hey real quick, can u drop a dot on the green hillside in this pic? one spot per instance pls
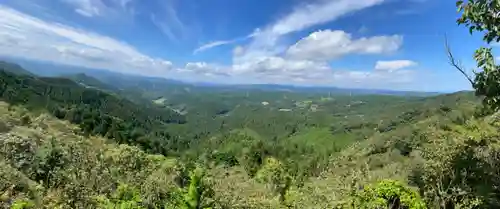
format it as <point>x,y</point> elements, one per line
<point>234,150</point>
<point>96,112</point>
<point>14,68</point>
<point>46,162</point>
<point>89,81</point>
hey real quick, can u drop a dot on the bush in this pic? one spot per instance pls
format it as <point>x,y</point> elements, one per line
<point>125,197</point>
<point>4,127</point>
<point>25,120</point>
<point>387,194</point>
<point>22,204</point>
<point>274,173</point>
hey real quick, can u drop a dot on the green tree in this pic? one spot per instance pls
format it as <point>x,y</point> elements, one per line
<point>482,16</point>
<point>387,194</point>
<point>48,161</point>
<point>125,197</point>
<point>274,173</point>
<point>197,195</point>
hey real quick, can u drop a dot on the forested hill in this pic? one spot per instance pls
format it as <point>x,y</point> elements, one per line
<point>45,163</point>
<point>96,112</point>
<point>89,81</point>
<point>14,68</point>
<point>232,149</point>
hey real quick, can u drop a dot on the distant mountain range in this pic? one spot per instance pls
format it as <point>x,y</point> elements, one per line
<point>121,80</point>
<point>14,68</point>
<point>325,89</point>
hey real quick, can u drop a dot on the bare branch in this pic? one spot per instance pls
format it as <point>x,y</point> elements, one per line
<point>455,63</point>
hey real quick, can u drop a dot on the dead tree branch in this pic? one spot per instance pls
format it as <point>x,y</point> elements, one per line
<point>456,63</point>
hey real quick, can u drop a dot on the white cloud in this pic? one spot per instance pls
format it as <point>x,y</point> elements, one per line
<point>212,45</point>
<point>394,65</point>
<point>305,16</point>
<point>29,37</point>
<point>164,17</point>
<point>328,45</point>
<point>95,8</point>
<point>307,72</point>
<point>279,70</point>
<point>279,65</point>
<point>224,42</point>
<point>238,50</point>
<point>262,61</point>
<point>205,69</point>
<point>87,8</point>
<point>168,21</point>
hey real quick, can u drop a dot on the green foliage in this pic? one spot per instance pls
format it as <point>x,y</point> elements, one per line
<point>387,194</point>
<point>48,160</point>
<point>197,192</point>
<point>125,197</point>
<point>253,157</point>
<point>22,204</point>
<point>258,172</point>
<point>274,173</point>
<point>482,16</point>
<point>253,154</point>
<point>95,111</point>
<point>4,127</point>
<point>25,120</point>
<point>197,195</point>
<point>56,168</point>
<point>460,166</point>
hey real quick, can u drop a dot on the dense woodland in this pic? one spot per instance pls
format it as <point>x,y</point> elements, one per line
<point>77,141</point>
<point>252,156</point>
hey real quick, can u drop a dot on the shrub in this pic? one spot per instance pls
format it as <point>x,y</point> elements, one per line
<point>387,194</point>
<point>4,127</point>
<point>125,197</point>
<point>22,204</point>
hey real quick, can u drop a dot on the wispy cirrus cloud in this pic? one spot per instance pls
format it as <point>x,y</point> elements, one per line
<point>308,15</point>
<point>224,42</point>
<point>25,36</point>
<point>100,8</point>
<point>168,21</point>
<point>164,15</point>
<point>305,16</point>
<point>87,8</point>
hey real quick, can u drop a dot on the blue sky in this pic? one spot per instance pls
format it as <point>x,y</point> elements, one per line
<point>383,44</point>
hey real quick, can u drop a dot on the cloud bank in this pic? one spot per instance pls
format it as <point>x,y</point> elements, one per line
<point>263,59</point>
<point>28,37</point>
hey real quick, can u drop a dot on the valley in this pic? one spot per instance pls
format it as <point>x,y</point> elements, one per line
<point>247,148</point>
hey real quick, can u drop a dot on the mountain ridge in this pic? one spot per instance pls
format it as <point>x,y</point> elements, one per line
<point>107,76</point>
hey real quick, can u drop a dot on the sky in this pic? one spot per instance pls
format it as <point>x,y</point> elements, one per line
<point>374,44</point>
